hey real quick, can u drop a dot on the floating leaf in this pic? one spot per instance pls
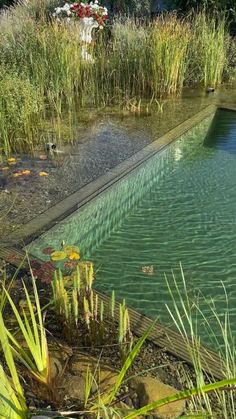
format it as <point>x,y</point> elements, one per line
<point>68,249</point>
<point>17,174</point>
<point>43,157</point>
<point>43,174</point>
<point>70,264</point>
<point>5,168</point>
<point>11,160</point>
<point>46,277</point>
<point>74,256</point>
<point>36,272</point>
<point>26,172</point>
<point>58,255</point>
<point>48,266</point>
<point>34,263</point>
<point>48,250</point>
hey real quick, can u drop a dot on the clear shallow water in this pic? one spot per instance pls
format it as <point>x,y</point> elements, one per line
<point>179,206</point>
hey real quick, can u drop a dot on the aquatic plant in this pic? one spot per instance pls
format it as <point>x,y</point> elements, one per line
<point>125,337</point>
<point>34,356</point>
<point>20,107</point>
<point>208,49</point>
<point>12,400</point>
<point>170,41</point>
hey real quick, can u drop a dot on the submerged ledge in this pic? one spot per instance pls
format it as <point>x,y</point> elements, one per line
<point>77,200</point>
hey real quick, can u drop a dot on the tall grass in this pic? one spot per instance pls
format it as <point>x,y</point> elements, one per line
<point>170,40</point>
<point>208,52</point>
<point>189,319</point>
<point>133,62</point>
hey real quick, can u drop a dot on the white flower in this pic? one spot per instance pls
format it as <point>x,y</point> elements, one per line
<point>58,10</point>
<point>66,7</point>
<point>94,5</point>
<point>68,13</point>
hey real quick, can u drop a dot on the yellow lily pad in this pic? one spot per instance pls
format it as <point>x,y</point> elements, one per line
<point>11,160</point>
<point>74,256</point>
<point>17,174</point>
<point>58,255</point>
<point>68,249</point>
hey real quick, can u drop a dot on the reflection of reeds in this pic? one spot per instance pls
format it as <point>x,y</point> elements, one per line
<point>43,78</point>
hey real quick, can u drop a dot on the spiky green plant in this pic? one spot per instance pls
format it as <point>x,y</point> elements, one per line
<point>34,355</point>
<point>12,400</point>
<point>189,319</point>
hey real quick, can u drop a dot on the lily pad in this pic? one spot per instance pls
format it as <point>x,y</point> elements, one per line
<point>74,256</point>
<point>68,249</point>
<point>48,250</point>
<point>58,255</point>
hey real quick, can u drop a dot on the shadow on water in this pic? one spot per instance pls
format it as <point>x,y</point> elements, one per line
<point>222,132</point>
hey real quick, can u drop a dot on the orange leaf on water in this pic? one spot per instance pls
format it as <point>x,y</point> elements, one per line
<point>26,172</point>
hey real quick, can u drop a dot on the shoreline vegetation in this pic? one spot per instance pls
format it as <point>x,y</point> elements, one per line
<point>43,80</point>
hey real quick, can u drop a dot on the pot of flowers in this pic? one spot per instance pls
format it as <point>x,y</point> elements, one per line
<point>87,17</point>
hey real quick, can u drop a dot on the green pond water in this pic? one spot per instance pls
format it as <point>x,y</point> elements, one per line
<point>177,207</point>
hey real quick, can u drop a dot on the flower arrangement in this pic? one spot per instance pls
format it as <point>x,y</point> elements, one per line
<point>79,10</point>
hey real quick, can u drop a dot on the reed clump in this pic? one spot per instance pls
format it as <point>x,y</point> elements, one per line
<point>133,62</point>
<point>76,305</point>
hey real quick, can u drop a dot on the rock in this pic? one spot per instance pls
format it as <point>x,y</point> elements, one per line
<point>74,388</point>
<point>150,389</point>
<point>73,384</point>
<point>59,357</point>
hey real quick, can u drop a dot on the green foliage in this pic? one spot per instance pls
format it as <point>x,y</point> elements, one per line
<point>20,106</point>
<point>35,356</point>
<point>12,401</point>
<point>207,55</point>
<point>76,305</point>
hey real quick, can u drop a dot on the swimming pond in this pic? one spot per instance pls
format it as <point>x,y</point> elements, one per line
<point>179,206</point>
